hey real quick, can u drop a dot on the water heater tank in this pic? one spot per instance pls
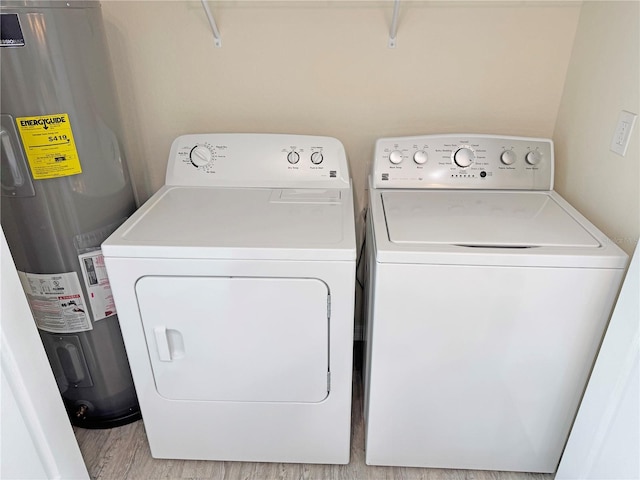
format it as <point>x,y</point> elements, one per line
<point>65,188</point>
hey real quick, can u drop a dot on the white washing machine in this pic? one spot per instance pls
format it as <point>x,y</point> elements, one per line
<point>488,296</point>
<point>234,286</point>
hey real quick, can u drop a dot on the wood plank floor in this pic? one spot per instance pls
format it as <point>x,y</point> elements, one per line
<point>123,453</point>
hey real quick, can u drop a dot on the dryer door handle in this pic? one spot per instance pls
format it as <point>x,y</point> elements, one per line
<point>169,343</point>
<point>162,344</point>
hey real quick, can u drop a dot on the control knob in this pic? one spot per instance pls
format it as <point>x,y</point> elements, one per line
<point>508,157</point>
<point>293,157</point>
<point>200,155</point>
<point>533,157</point>
<point>420,157</point>
<point>316,158</point>
<point>464,157</point>
<point>395,157</point>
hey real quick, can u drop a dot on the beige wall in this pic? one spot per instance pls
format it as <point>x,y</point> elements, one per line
<point>601,81</point>
<point>324,68</point>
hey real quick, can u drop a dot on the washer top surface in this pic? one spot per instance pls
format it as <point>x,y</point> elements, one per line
<point>481,219</point>
<point>466,199</point>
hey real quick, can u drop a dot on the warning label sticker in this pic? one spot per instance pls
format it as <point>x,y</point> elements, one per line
<point>56,301</point>
<point>49,145</point>
<point>97,285</point>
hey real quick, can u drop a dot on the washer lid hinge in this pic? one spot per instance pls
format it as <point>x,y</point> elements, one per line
<point>328,305</point>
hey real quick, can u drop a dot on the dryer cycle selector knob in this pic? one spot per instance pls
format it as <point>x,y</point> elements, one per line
<point>293,157</point>
<point>533,157</point>
<point>464,157</point>
<point>316,158</point>
<point>395,157</point>
<point>200,156</point>
<point>420,157</point>
<point>508,157</point>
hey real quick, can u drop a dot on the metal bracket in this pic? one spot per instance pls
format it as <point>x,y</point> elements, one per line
<point>394,24</point>
<point>212,22</point>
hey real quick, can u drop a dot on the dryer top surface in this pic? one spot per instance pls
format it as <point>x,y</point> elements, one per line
<point>242,223</point>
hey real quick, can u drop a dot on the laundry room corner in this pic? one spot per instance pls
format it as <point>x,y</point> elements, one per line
<point>602,81</point>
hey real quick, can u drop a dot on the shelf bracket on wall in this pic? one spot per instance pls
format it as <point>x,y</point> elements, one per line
<point>216,33</point>
<point>394,24</point>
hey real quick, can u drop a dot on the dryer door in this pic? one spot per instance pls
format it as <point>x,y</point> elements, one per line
<point>237,338</point>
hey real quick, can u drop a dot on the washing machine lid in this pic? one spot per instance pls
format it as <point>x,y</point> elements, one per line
<point>239,223</point>
<point>481,219</point>
<point>473,227</point>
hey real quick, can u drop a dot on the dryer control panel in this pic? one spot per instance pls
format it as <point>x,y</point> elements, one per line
<point>257,160</point>
<point>464,161</point>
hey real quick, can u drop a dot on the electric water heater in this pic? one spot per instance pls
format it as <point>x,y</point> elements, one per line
<point>65,189</point>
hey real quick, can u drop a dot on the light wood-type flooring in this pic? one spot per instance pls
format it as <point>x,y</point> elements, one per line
<point>123,453</point>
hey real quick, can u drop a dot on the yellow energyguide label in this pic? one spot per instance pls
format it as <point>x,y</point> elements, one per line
<point>49,145</point>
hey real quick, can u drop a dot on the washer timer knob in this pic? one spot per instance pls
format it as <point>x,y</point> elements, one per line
<point>420,157</point>
<point>395,157</point>
<point>533,157</point>
<point>464,157</point>
<point>508,157</point>
<point>200,155</point>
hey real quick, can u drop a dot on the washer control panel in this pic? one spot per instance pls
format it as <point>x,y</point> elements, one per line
<point>267,160</point>
<point>464,161</point>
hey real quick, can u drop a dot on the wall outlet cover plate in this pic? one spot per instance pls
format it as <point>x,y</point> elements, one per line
<point>621,136</point>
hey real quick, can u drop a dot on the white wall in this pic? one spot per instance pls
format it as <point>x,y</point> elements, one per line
<point>324,68</point>
<point>602,80</point>
<point>605,440</point>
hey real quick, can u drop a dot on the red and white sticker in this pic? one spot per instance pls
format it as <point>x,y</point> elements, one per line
<point>56,301</point>
<point>97,284</point>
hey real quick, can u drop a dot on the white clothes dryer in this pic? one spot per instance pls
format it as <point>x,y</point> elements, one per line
<point>488,296</point>
<point>234,284</point>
